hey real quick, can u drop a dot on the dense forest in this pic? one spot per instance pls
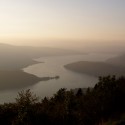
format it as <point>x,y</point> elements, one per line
<point>104,104</point>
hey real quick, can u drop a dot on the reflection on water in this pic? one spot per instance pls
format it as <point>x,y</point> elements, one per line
<point>53,66</point>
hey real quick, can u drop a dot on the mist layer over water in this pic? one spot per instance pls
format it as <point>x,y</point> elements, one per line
<point>54,66</point>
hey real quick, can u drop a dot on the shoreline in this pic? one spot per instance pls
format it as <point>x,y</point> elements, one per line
<point>15,79</point>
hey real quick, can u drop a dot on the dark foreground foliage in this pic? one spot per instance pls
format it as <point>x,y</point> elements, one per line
<point>105,102</point>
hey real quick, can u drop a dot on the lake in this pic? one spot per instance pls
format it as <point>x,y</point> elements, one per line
<point>53,66</point>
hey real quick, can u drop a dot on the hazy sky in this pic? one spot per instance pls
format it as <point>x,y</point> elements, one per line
<point>50,22</point>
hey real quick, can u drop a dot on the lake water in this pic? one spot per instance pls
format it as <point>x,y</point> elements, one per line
<point>54,66</point>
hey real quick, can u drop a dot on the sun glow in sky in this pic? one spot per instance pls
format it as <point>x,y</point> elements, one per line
<point>53,21</point>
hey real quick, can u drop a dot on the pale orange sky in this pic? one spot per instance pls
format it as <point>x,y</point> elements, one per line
<point>57,22</point>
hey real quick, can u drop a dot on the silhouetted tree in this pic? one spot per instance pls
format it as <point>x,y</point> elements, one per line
<point>25,101</point>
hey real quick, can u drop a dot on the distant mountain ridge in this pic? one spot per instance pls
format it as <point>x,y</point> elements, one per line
<point>16,57</point>
<point>118,61</point>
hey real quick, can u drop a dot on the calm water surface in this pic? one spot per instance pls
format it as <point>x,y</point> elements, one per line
<point>54,66</point>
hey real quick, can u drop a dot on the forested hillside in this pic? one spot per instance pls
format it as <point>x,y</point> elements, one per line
<point>112,66</point>
<point>102,105</point>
